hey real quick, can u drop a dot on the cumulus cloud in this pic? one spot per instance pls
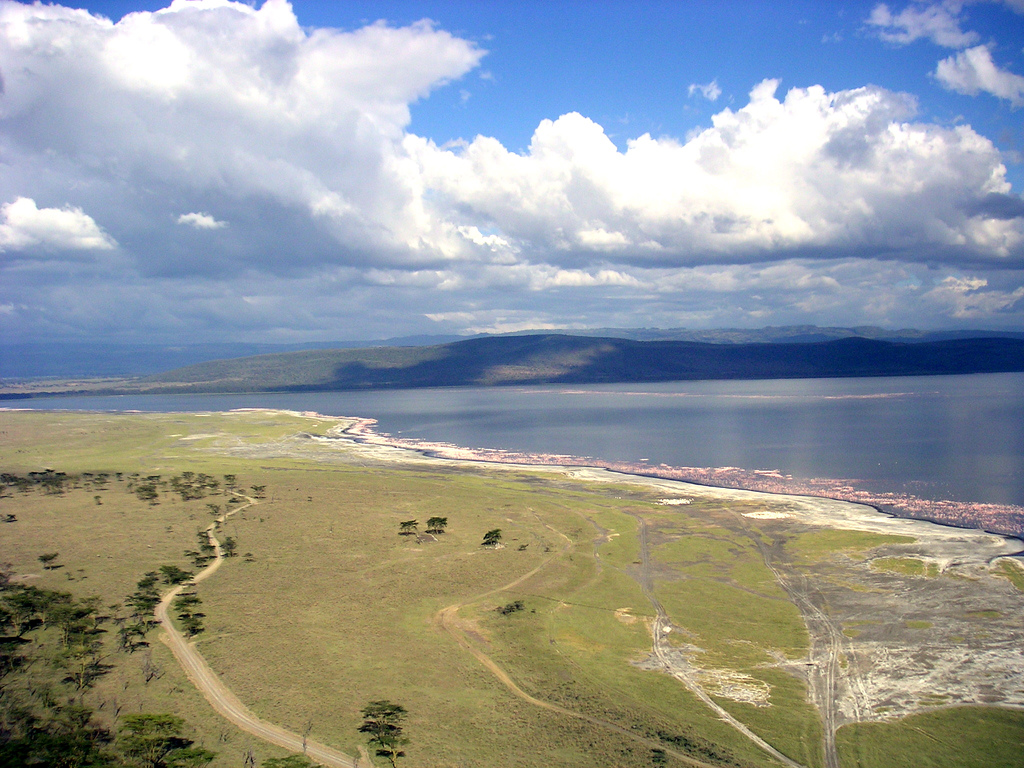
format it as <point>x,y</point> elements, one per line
<point>973,71</point>
<point>967,298</point>
<point>341,218</point>
<point>201,221</point>
<point>938,22</point>
<point>24,225</point>
<point>294,132</point>
<point>709,91</point>
<point>830,173</point>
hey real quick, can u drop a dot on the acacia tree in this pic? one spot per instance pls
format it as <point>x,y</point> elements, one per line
<point>172,574</point>
<point>437,524</point>
<point>47,560</point>
<point>408,527</point>
<point>382,720</point>
<point>492,537</point>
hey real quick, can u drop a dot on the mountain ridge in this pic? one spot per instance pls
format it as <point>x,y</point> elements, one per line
<point>566,359</point>
<point>45,359</point>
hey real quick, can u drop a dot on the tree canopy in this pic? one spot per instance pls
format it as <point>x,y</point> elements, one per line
<point>382,720</point>
<point>492,538</point>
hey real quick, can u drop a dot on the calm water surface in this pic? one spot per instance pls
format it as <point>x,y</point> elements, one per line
<point>944,437</point>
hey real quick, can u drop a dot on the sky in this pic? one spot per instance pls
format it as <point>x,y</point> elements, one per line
<point>315,171</point>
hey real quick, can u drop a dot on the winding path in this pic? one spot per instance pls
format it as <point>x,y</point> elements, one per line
<point>446,618</point>
<point>219,695</point>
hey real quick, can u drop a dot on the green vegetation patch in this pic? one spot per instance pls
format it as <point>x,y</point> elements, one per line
<point>1011,570</point>
<point>819,545</point>
<point>961,737</point>
<point>988,613</point>
<point>915,624</point>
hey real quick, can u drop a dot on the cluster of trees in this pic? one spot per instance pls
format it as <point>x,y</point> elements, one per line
<point>51,654</point>
<point>54,647</point>
<point>172,574</point>
<point>191,486</point>
<point>146,490</point>
<point>191,620</point>
<point>156,741</point>
<point>292,761</point>
<point>492,538</point>
<point>48,480</point>
<point>435,525</point>
<point>51,481</point>
<point>205,553</point>
<point>133,628</point>
<point>513,607</point>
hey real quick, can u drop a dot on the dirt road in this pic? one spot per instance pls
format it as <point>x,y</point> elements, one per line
<point>675,665</point>
<point>219,695</point>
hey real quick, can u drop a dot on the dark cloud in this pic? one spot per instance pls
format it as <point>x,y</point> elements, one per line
<point>997,206</point>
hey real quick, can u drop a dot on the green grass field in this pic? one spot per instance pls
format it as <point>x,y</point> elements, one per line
<point>328,607</point>
<point>964,737</point>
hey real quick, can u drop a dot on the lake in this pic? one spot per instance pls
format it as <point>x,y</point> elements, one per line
<point>957,438</point>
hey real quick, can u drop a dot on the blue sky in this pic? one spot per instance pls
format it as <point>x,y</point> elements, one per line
<point>325,170</point>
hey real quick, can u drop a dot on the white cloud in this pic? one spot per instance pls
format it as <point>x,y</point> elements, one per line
<point>709,91</point>
<point>830,173</point>
<point>939,22</point>
<point>295,133</point>
<point>343,222</point>
<point>966,298</point>
<point>24,226</point>
<point>201,221</point>
<point>973,71</point>
<point>495,321</point>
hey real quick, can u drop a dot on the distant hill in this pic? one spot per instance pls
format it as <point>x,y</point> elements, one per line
<point>563,359</point>
<point>30,360</point>
<point>26,360</point>
<point>788,334</point>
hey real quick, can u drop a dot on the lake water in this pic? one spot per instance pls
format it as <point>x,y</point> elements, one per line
<point>947,437</point>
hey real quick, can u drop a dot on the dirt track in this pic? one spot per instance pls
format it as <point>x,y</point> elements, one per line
<point>219,695</point>
<point>674,663</point>
<point>447,620</point>
<point>884,644</point>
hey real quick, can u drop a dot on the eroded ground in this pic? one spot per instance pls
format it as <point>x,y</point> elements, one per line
<point>903,616</point>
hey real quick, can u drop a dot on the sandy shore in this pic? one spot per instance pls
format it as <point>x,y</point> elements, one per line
<point>1005,520</point>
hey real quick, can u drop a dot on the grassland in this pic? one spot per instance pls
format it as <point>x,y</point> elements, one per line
<point>330,608</point>
<point>966,737</point>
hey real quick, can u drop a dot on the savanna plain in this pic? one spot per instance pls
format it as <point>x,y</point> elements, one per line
<point>557,617</point>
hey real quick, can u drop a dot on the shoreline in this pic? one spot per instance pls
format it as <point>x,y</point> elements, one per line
<point>1005,520</point>
<point>1008,520</point>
